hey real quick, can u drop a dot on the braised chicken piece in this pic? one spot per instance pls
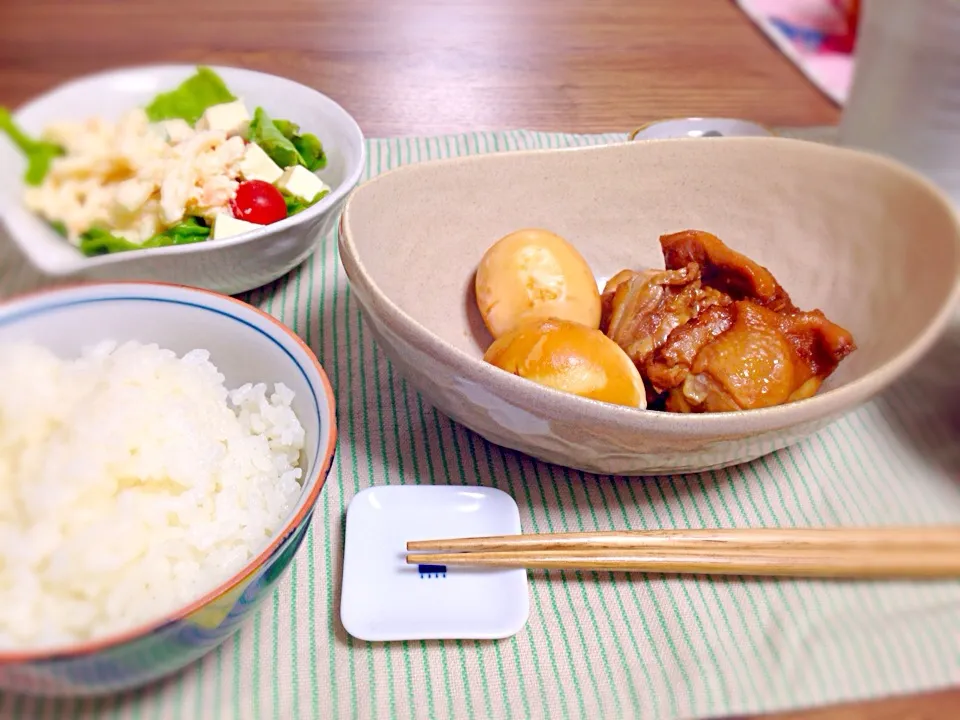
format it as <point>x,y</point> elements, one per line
<point>672,362</point>
<point>642,310</point>
<point>724,269</point>
<point>648,306</point>
<point>715,332</point>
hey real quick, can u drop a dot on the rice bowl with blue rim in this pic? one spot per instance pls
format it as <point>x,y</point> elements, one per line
<point>180,319</point>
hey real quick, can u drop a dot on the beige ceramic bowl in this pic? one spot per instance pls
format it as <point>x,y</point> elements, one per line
<point>869,242</point>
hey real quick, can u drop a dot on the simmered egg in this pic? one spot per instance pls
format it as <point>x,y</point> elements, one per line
<point>571,357</point>
<point>534,274</point>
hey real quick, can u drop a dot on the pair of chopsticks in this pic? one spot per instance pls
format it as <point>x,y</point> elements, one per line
<point>892,552</point>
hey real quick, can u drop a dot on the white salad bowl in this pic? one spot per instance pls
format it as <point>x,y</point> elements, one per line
<point>230,265</point>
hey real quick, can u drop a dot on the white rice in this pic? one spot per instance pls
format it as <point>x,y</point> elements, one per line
<point>131,482</point>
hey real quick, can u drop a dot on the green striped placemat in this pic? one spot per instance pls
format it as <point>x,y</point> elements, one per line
<point>597,645</point>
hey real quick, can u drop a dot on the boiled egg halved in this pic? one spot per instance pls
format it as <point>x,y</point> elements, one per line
<point>570,357</point>
<point>534,274</point>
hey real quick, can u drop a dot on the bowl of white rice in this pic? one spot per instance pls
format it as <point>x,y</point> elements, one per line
<point>161,452</point>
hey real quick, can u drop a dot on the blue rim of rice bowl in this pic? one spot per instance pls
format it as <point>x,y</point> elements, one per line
<point>88,647</point>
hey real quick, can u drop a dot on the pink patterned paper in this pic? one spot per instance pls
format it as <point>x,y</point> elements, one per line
<point>814,35</point>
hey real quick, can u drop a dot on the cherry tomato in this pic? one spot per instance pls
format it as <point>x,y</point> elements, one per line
<point>258,202</point>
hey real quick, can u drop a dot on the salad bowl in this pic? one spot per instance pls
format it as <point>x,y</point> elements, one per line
<point>231,264</point>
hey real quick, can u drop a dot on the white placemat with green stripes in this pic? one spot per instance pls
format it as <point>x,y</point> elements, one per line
<point>597,645</point>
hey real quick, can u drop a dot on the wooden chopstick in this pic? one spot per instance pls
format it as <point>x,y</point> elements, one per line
<point>939,564</point>
<point>920,552</point>
<point>888,537</point>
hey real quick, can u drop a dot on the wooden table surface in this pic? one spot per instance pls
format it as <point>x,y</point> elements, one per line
<point>432,66</point>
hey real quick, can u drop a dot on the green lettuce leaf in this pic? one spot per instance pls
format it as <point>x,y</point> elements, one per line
<point>189,99</point>
<point>191,230</point>
<point>39,153</point>
<point>311,151</point>
<point>98,241</point>
<point>308,145</point>
<point>282,141</point>
<point>265,133</point>
<point>296,204</point>
<point>289,129</point>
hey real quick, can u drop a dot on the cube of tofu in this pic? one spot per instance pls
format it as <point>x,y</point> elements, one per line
<point>176,130</point>
<point>227,226</point>
<point>257,165</point>
<point>231,118</point>
<point>299,181</point>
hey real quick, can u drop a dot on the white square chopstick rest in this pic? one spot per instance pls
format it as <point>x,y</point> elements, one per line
<point>385,599</point>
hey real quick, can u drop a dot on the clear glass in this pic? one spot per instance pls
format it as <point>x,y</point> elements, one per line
<point>905,98</point>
